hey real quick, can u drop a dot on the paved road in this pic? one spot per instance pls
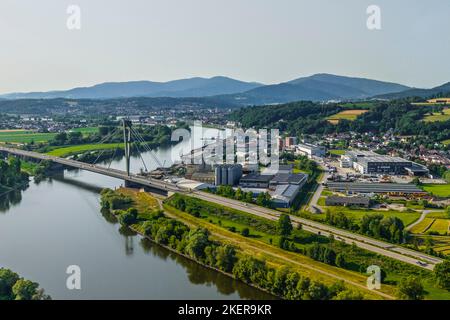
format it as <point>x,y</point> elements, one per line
<point>313,206</point>
<point>377,246</point>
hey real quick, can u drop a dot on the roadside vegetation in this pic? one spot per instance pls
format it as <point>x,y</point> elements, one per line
<point>13,287</point>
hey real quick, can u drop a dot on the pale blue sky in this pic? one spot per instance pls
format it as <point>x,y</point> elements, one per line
<point>255,40</point>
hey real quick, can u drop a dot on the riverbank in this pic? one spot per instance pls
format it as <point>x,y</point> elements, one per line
<point>143,201</point>
<point>331,289</point>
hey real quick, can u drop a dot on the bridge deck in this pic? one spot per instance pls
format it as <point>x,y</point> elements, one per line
<point>96,169</point>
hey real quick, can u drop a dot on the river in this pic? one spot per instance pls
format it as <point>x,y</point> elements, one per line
<point>58,222</point>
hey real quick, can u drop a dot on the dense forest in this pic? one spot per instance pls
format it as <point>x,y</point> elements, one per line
<point>298,118</point>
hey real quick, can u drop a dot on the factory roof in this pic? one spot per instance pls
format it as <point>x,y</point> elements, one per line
<point>380,158</point>
<point>374,187</point>
<point>285,193</point>
<point>294,178</point>
<point>256,177</point>
<point>347,200</point>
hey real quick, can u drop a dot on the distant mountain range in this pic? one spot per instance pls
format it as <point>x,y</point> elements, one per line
<point>318,87</point>
<point>421,93</point>
<point>227,91</point>
<point>193,87</point>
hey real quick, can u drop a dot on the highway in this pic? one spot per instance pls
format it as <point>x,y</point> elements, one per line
<point>370,244</point>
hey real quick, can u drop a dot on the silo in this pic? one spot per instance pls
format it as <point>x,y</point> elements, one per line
<point>224,178</point>
<point>217,176</point>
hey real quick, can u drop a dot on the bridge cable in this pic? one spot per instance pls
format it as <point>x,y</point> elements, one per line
<point>146,146</point>
<point>103,141</point>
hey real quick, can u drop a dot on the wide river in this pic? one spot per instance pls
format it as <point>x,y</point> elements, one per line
<point>58,223</point>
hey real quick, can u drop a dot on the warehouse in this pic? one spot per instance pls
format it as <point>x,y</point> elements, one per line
<point>286,178</point>
<point>384,188</point>
<point>256,180</point>
<point>363,202</point>
<point>284,195</point>
<point>369,162</point>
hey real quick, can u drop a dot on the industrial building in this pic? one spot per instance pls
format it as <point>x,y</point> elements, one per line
<point>401,189</point>
<point>256,180</point>
<point>227,174</point>
<point>310,150</point>
<point>298,179</point>
<point>369,162</point>
<point>290,141</point>
<point>347,201</point>
<point>284,195</point>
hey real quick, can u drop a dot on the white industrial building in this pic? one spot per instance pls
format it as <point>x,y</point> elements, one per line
<point>310,150</point>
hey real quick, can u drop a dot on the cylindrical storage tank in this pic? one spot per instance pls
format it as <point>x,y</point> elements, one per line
<point>218,176</point>
<point>231,175</point>
<point>224,178</point>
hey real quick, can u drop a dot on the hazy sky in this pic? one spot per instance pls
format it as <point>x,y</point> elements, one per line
<point>268,41</point>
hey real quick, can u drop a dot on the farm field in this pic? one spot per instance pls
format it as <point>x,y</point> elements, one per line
<point>67,151</point>
<point>442,245</point>
<point>432,225</point>
<point>446,142</point>
<point>350,115</point>
<point>440,190</point>
<point>438,116</point>
<point>23,136</point>
<point>85,131</point>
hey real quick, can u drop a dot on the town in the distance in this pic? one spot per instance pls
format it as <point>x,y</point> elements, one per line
<point>357,208</point>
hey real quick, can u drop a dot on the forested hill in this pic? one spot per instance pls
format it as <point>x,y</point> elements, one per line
<point>311,118</point>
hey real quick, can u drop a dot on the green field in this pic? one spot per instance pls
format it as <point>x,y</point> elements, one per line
<point>432,225</point>
<point>357,214</point>
<point>350,115</point>
<point>27,136</point>
<point>85,131</point>
<point>438,116</point>
<point>67,151</point>
<point>439,190</point>
<point>446,142</point>
<point>337,152</point>
<point>23,136</point>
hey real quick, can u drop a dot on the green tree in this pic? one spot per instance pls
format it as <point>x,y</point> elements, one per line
<point>225,257</point>
<point>245,232</point>
<point>284,225</point>
<point>197,242</point>
<point>442,274</point>
<point>24,289</point>
<point>410,288</point>
<point>7,281</point>
<point>340,261</point>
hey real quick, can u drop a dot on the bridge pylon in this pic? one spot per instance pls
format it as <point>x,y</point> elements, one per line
<point>127,143</point>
